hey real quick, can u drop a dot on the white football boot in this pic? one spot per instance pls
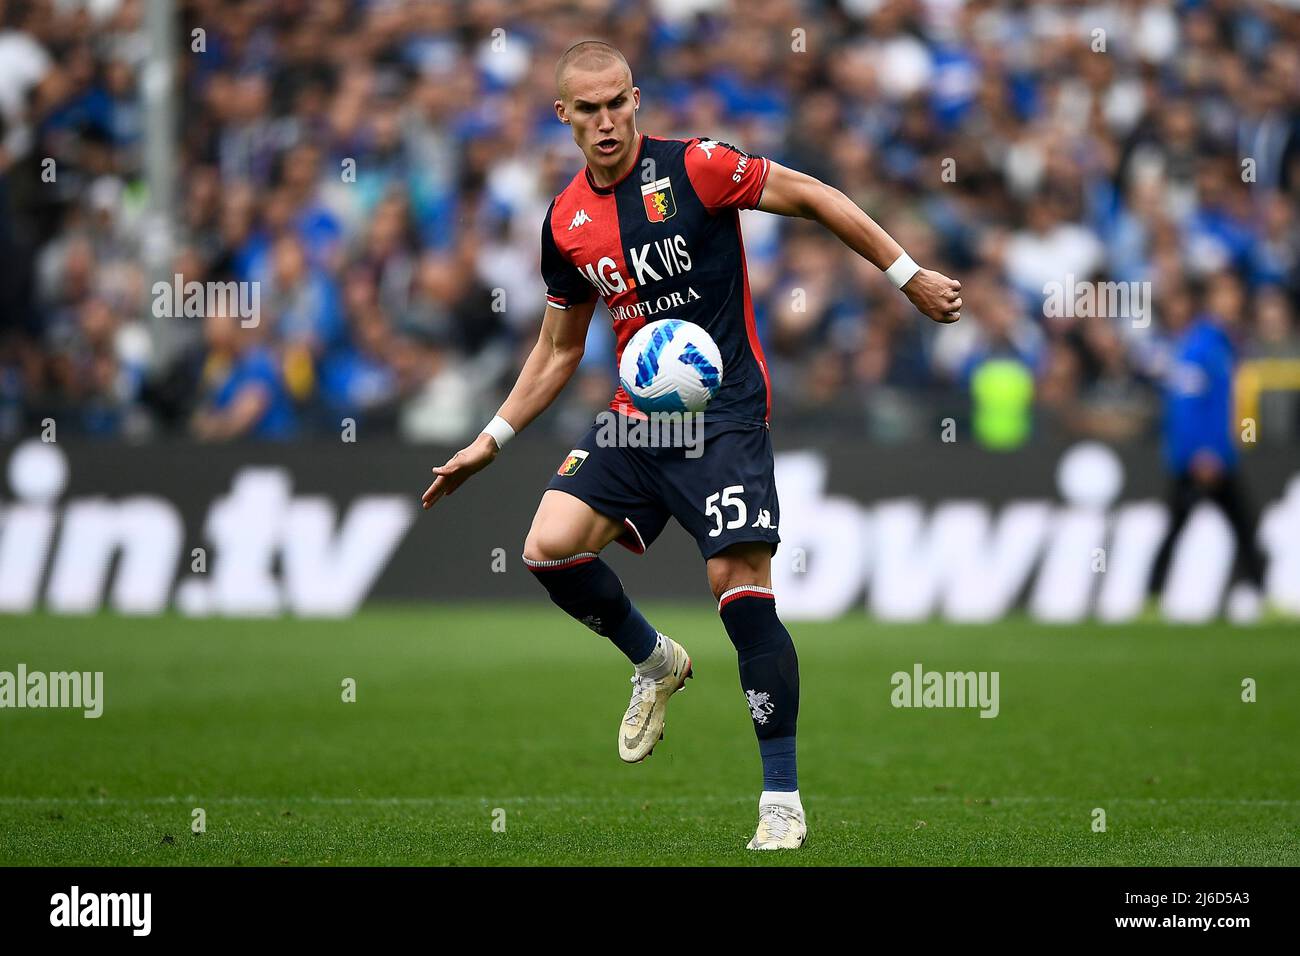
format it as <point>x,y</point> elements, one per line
<point>781,822</point>
<point>643,724</point>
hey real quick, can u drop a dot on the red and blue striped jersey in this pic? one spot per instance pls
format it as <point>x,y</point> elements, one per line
<point>664,242</point>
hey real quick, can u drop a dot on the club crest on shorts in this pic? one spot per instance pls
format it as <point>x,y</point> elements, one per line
<point>659,202</point>
<point>572,463</point>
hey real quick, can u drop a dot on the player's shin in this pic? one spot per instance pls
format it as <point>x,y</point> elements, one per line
<point>588,590</point>
<point>769,676</point>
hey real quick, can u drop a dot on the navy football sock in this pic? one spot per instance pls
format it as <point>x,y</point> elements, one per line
<point>588,590</point>
<point>769,676</point>
<point>779,773</point>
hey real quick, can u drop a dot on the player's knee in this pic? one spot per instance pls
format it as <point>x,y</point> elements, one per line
<point>545,543</point>
<point>537,547</point>
<point>747,565</point>
<point>726,582</point>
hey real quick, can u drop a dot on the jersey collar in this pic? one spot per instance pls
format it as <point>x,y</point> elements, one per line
<point>607,190</point>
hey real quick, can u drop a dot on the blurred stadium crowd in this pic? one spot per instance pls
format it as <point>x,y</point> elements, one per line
<point>995,140</point>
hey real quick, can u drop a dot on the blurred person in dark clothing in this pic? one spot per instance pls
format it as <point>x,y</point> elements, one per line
<point>1199,431</point>
<point>452,307</point>
<point>97,366</point>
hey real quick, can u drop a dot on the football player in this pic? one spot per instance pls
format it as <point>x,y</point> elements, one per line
<point>651,226</point>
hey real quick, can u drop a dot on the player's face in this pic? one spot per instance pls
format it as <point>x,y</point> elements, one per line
<point>600,106</point>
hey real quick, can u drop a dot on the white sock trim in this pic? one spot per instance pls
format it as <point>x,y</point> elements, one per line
<point>558,561</point>
<point>732,592</point>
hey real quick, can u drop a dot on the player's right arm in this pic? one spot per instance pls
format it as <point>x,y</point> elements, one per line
<point>788,192</point>
<point>725,177</point>
<point>548,369</point>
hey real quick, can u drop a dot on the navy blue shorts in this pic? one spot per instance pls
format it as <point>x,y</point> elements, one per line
<point>723,496</point>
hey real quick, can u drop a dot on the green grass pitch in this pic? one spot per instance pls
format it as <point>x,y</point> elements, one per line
<point>467,710</point>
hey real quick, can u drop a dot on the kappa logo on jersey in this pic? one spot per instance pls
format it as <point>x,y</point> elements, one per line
<point>658,198</point>
<point>742,157</point>
<point>709,145</point>
<point>572,463</point>
<point>581,219</point>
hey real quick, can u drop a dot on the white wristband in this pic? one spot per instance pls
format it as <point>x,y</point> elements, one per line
<point>500,431</point>
<point>902,270</point>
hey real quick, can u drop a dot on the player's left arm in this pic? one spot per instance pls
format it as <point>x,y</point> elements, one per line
<point>789,192</point>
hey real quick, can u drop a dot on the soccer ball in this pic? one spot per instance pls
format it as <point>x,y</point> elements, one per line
<point>671,366</point>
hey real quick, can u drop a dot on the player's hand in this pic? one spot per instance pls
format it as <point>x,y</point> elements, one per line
<point>470,460</point>
<point>935,295</point>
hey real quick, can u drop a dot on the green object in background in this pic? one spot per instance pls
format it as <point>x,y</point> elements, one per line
<point>1002,391</point>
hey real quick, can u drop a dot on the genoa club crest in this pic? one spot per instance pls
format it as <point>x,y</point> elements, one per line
<point>572,463</point>
<point>658,199</point>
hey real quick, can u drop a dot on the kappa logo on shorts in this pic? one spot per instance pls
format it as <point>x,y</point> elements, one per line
<point>572,463</point>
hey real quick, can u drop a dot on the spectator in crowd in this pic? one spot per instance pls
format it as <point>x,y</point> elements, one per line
<point>381,171</point>
<point>244,392</point>
<point>1199,428</point>
<point>1277,340</point>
